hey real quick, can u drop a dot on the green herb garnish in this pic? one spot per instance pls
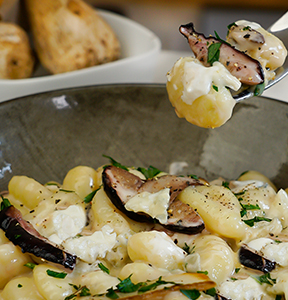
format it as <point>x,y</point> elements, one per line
<point>251,222</point>
<point>103,268</point>
<point>193,176</point>
<point>226,184</point>
<point>111,294</point>
<point>66,191</point>
<point>115,163</point>
<point>54,274</point>
<point>19,285</point>
<point>202,272</point>
<point>215,87</point>
<point>259,89</point>
<point>127,286</point>
<point>191,294</point>
<point>30,265</point>
<point>150,172</point>
<point>266,278</point>
<point>5,203</point>
<point>213,52</point>
<point>211,292</point>
<point>81,291</point>
<point>90,196</point>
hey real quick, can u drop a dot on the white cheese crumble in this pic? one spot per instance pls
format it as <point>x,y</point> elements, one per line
<point>247,289</point>
<point>63,224</point>
<point>153,204</point>
<point>89,248</point>
<point>198,79</point>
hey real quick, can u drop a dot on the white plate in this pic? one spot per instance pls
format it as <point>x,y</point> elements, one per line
<point>140,49</point>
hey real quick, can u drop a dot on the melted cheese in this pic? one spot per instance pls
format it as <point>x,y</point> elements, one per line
<point>89,248</point>
<point>63,224</point>
<point>153,204</point>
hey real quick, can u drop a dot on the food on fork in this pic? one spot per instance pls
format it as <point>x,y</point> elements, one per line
<point>199,86</point>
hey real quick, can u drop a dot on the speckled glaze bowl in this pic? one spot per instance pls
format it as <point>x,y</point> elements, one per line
<point>45,135</point>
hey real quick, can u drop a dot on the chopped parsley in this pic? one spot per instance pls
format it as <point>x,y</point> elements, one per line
<point>203,272</point>
<point>246,207</point>
<point>215,87</point>
<point>19,285</point>
<point>191,294</point>
<point>115,163</point>
<point>150,172</point>
<point>81,291</point>
<point>213,52</point>
<point>90,196</point>
<point>259,89</point>
<point>211,292</point>
<point>66,191</point>
<point>226,184</point>
<point>30,265</point>
<point>127,286</point>
<point>5,203</point>
<point>193,176</point>
<point>103,268</point>
<point>265,278</point>
<point>251,222</point>
<point>54,274</point>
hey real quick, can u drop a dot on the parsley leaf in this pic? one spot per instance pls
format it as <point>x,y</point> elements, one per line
<point>150,172</point>
<point>193,176</point>
<point>127,286</point>
<point>30,265</point>
<point>191,294</point>
<point>215,87</point>
<point>82,291</point>
<point>266,278</point>
<point>103,268</point>
<point>226,184</point>
<point>213,52</point>
<point>211,292</point>
<point>259,89</point>
<point>54,274</point>
<point>115,163</point>
<point>5,203</point>
<point>111,294</point>
<point>251,222</point>
<point>90,196</point>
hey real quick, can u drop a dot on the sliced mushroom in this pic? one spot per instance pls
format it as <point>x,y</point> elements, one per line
<point>243,34</point>
<point>120,186</point>
<point>250,258</point>
<point>22,234</point>
<point>248,70</point>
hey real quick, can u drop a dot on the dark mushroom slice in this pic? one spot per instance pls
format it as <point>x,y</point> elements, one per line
<point>120,186</point>
<point>250,258</point>
<point>247,69</point>
<point>241,34</point>
<point>21,233</point>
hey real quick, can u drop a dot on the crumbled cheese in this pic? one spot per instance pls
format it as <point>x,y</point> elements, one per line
<point>153,204</point>
<point>198,79</point>
<point>89,248</point>
<point>247,289</point>
<point>63,224</point>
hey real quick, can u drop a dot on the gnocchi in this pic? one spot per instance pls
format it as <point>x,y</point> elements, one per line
<point>113,250</point>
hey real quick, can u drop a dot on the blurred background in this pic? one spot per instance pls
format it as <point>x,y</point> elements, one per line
<point>164,17</point>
